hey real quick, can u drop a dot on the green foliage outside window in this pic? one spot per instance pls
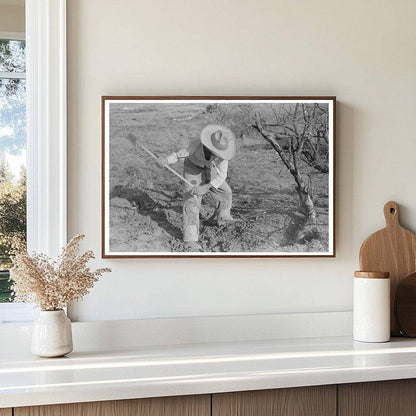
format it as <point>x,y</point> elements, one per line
<point>12,147</point>
<point>12,223</point>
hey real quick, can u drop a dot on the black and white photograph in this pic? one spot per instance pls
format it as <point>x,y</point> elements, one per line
<point>218,176</point>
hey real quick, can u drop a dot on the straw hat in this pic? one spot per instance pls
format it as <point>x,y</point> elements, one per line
<point>220,140</point>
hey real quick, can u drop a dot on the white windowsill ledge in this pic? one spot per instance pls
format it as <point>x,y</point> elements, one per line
<point>16,314</point>
<point>155,371</point>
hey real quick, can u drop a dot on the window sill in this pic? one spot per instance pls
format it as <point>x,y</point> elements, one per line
<point>16,313</point>
<point>157,371</point>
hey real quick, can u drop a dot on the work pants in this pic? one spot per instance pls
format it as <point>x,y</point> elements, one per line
<point>192,203</point>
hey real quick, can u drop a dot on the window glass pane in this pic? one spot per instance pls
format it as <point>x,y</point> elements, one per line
<point>12,118</point>
<point>12,166</point>
<point>12,56</point>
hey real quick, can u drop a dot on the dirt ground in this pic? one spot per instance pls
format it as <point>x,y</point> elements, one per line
<point>146,200</point>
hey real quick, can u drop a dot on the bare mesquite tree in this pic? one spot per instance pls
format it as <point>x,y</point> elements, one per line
<point>298,132</point>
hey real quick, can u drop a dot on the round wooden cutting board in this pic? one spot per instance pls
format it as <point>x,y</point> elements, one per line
<point>393,250</point>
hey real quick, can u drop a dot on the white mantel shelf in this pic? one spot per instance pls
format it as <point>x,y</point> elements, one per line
<point>152,371</point>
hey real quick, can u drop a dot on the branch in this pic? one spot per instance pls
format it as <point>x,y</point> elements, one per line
<point>304,113</point>
<point>281,126</point>
<point>324,110</point>
<point>274,112</point>
<point>294,154</point>
<point>294,119</point>
<point>301,144</point>
<point>319,166</point>
<point>272,139</point>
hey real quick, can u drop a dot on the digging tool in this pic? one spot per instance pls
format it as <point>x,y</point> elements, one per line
<point>134,139</point>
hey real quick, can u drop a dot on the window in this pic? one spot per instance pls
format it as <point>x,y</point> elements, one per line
<point>45,89</point>
<point>12,153</point>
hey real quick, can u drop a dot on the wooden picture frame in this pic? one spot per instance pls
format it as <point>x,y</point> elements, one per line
<point>281,179</point>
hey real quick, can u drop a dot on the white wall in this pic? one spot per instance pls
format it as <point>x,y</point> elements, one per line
<point>12,18</point>
<point>361,51</point>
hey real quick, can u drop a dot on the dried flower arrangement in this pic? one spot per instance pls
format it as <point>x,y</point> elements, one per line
<point>53,285</point>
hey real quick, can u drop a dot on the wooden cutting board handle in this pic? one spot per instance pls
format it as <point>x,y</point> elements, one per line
<point>391,214</point>
<point>393,250</point>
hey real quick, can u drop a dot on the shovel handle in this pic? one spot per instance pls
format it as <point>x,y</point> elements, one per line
<point>134,139</point>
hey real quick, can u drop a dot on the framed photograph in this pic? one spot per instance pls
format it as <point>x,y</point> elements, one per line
<point>218,176</point>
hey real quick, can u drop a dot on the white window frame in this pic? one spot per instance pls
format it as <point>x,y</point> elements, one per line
<point>46,127</point>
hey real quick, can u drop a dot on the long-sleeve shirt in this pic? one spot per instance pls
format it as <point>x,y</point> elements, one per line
<point>195,153</point>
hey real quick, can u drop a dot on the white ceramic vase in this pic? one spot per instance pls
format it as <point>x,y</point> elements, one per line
<point>52,334</point>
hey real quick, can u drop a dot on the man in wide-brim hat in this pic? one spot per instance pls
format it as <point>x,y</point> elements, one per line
<point>206,168</point>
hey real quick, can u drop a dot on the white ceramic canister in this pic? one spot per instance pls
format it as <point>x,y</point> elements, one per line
<point>371,305</point>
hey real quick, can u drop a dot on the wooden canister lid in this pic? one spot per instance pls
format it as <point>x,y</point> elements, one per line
<point>372,275</point>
